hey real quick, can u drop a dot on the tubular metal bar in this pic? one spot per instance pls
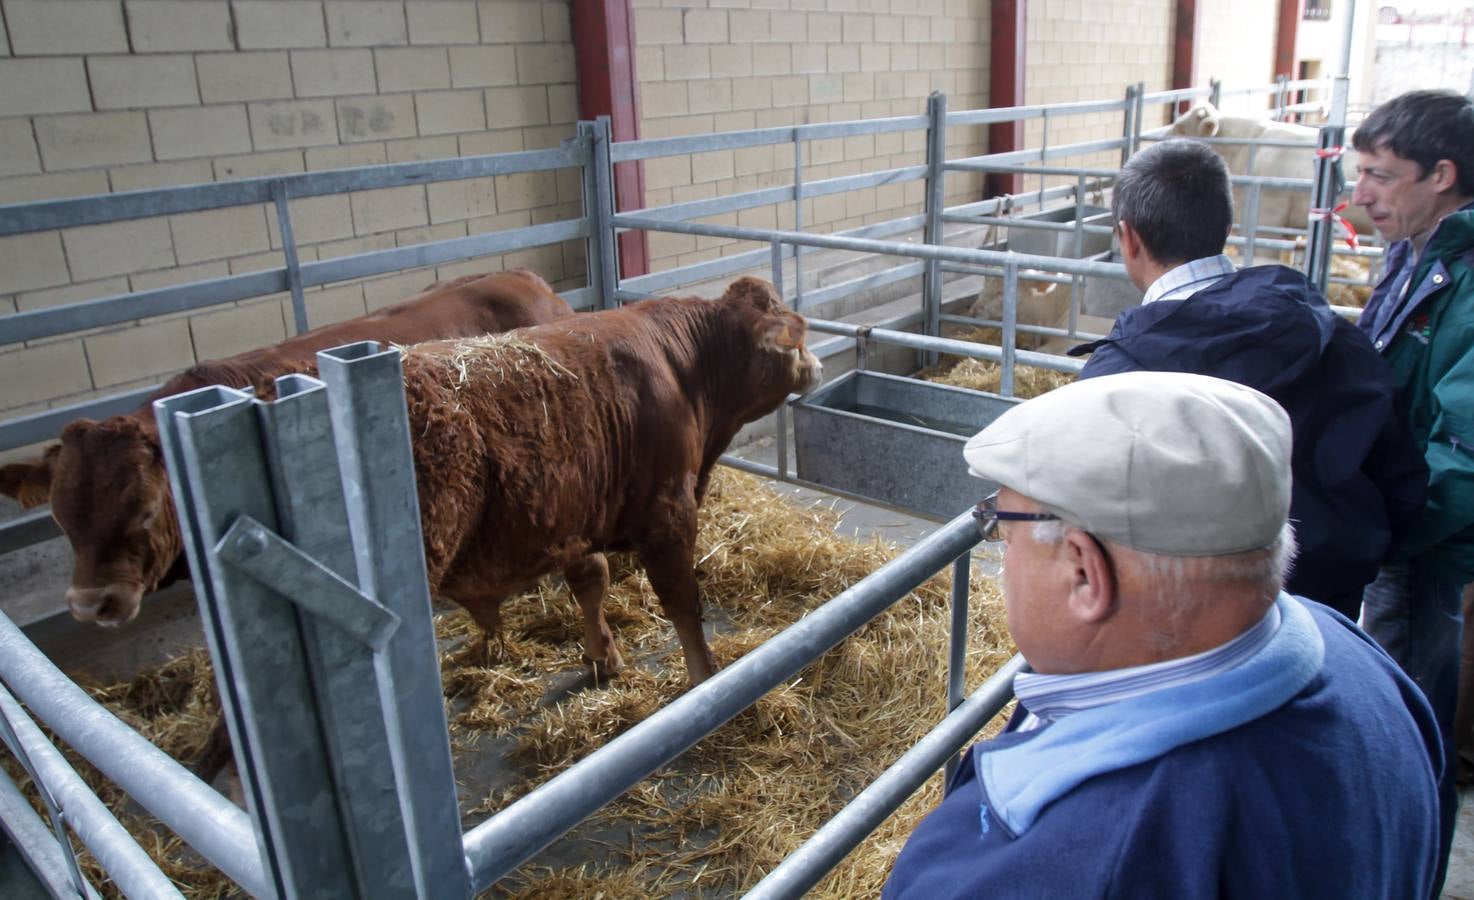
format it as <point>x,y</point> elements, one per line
<point>1177,96</point>
<point>875,279</point>
<point>1127,126</point>
<point>700,209</point>
<point>803,868</point>
<point>1263,181</point>
<point>289,249</point>
<point>44,788</point>
<point>43,426</point>
<point>19,218</point>
<point>1251,224</point>
<point>1026,156</point>
<point>891,248</point>
<point>135,874</point>
<point>40,323</point>
<point>362,265</point>
<point>998,204</point>
<point>626,151</point>
<point>1027,329</point>
<point>947,345</point>
<point>28,529</point>
<point>780,421</point>
<point>798,220</point>
<point>1021,113</point>
<point>957,640</point>
<point>936,160</point>
<point>659,281</point>
<point>26,326</point>
<point>35,842</point>
<point>1010,326</point>
<point>206,821</point>
<point>604,214</point>
<point>500,844</point>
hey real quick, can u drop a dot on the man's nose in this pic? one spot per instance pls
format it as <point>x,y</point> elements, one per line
<point>1360,195</point>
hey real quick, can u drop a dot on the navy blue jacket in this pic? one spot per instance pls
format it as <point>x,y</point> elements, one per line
<point>1359,476</point>
<point>1329,795</point>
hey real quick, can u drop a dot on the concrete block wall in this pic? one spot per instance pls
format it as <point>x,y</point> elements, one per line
<point>1091,50</point>
<point>1236,46</point>
<point>99,96</point>
<point>731,65</point>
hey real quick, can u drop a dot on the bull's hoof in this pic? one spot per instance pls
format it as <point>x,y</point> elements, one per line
<point>605,668</point>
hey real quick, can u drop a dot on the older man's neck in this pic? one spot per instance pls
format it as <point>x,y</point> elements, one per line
<point>1208,620</point>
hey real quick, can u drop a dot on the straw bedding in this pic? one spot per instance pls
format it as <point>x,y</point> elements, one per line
<point>984,375</point>
<point>729,810</point>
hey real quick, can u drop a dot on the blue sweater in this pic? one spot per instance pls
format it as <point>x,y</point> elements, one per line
<point>1359,476</point>
<point>1330,793</point>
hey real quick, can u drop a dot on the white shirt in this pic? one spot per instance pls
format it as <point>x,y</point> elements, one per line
<point>1189,278</point>
<point>1048,698</point>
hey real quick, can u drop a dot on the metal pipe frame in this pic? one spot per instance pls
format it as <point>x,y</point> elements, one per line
<point>803,868</point>
<point>208,822</point>
<point>500,844</point>
<point>46,215</point>
<point>36,844</point>
<point>135,874</point>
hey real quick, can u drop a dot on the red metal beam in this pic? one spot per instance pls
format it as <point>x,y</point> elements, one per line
<point>604,47</point>
<point>1285,62</point>
<point>1185,45</point>
<point>1006,84</point>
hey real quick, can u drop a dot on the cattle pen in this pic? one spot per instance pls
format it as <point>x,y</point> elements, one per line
<point>385,752</point>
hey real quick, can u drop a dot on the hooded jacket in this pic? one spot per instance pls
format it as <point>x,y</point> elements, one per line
<point>1359,478</point>
<point>1428,341</point>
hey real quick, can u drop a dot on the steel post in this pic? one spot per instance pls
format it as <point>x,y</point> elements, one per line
<point>957,640</point>
<point>936,175</point>
<point>604,214</point>
<point>1010,326</point>
<point>279,195</point>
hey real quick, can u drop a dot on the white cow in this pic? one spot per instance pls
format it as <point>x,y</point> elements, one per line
<point>1044,303</point>
<point>1278,209</point>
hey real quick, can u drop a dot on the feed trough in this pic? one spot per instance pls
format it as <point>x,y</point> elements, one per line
<point>894,440</point>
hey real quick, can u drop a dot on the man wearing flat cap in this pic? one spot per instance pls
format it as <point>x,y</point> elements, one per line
<point>1188,729</point>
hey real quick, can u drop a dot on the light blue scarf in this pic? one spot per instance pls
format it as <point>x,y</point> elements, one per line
<point>1020,779</point>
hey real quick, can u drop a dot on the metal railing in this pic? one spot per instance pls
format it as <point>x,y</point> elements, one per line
<point>260,860</point>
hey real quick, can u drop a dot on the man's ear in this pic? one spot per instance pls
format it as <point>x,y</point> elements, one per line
<point>1093,589</point>
<point>1130,241</point>
<point>28,481</point>
<point>1445,175</point>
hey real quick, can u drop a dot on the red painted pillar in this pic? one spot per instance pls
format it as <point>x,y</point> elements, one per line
<point>1006,84</point>
<point>1285,62</point>
<point>604,47</point>
<point>1185,46</point>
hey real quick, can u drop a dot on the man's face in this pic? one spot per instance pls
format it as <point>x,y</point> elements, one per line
<point>1399,199</point>
<point>1035,590</point>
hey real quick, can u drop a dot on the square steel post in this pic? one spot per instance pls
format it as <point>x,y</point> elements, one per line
<point>936,176</point>
<point>603,214</point>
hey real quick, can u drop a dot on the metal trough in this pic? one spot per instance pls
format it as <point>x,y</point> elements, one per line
<point>1109,297</point>
<point>894,440</point>
<point>1061,242</point>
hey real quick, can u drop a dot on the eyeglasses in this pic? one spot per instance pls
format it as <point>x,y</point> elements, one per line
<point>988,515</point>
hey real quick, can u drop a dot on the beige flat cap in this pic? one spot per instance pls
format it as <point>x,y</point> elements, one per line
<point>1165,462</point>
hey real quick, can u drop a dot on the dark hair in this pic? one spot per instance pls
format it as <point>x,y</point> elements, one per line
<point>1425,127</point>
<point>1176,195</point>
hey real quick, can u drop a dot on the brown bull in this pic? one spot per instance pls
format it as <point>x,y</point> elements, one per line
<point>537,451</point>
<point>106,481</point>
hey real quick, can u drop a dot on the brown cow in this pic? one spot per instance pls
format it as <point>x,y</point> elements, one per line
<point>538,450</point>
<point>106,481</point>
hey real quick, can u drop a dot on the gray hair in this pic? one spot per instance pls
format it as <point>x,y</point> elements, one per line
<point>1171,579</point>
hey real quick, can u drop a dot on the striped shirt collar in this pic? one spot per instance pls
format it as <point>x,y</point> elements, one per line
<point>1047,698</point>
<point>1189,278</point>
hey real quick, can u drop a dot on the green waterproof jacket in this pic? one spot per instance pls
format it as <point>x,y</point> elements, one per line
<point>1428,340</point>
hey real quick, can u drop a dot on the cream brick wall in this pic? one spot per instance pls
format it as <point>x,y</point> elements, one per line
<point>1236,43</point>
<point>731,65</point>
<point>120,95</point>
<point>1091,50</point>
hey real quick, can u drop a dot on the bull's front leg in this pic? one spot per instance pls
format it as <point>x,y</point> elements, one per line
<point>671,569</point>
<point>589,580</point>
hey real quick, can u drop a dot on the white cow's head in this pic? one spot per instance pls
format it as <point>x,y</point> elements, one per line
<point>1200,121</point>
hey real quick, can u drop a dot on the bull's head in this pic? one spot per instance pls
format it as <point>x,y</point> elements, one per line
<point>1201,122</point>
<point>783,365</point>
<point>109,493</point>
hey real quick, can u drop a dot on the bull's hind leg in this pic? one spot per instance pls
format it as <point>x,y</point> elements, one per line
<point>589,580</point>
<point>672,573</point>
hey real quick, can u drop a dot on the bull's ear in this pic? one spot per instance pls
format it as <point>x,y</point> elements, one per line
<point>28,481</point>
<point>1210,128</point>
<point>779,333</point>
<point>756,291</point>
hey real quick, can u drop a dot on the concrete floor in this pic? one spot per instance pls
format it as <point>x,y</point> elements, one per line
<point>1459,885</point>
